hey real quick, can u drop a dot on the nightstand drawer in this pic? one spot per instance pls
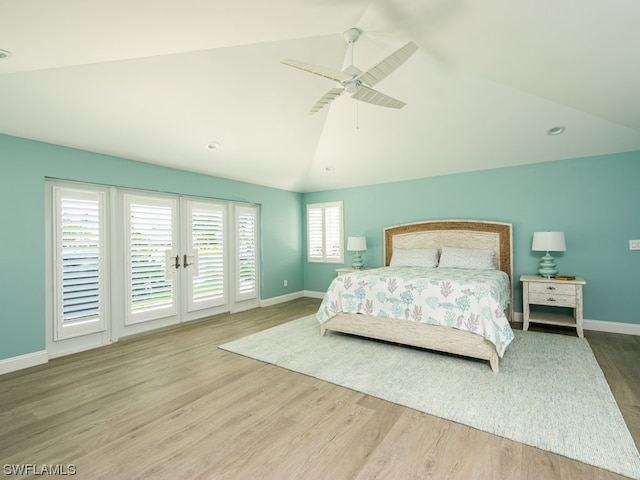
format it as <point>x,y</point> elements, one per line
<point>553,299</point>
<point>551,288</point>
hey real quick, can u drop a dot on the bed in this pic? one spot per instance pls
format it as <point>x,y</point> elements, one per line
<point>475,318</point>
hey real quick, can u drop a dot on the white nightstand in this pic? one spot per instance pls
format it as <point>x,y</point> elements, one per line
<point>539,290</point>
<point>345,270</point>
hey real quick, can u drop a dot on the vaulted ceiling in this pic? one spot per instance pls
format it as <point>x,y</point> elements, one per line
<point>159,80</point>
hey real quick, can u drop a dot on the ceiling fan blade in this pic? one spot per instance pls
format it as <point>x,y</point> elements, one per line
<point>326,99</point>
<point>375,97</point>
<point>387,66</point>
<point>318,70</point>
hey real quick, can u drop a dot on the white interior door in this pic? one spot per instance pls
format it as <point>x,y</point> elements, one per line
<point>124,262</point>
<point>204,255</point>
<point>151,262</point>
<point>78,271</point>
<point>246,276</point>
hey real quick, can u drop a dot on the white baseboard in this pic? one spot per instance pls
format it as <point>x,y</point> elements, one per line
<point>308,293</point>
<point>599,326</point>
<point>612,327</point>
<point>23,361</point>
<point>281,299</point>
<point>291,296</point>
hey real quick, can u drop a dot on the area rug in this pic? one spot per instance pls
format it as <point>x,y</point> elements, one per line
<point>550,392</point>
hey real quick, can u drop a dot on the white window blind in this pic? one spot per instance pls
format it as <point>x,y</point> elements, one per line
<point>208,244</point>
<point>80,270</point>
<point>247,252</point>
<point>151,255</point>
<point>325,237</point>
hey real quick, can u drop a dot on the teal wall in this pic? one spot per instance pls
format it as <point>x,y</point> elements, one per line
<point>594,200</point>
<point>25,164</point>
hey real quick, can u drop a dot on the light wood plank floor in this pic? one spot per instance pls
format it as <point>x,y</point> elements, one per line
<point>172,405</point>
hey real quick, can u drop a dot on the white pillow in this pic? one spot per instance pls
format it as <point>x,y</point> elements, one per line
<point>414,257</point>
<point>452,257</point>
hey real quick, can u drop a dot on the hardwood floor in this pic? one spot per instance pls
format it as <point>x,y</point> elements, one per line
<point>173,405</point>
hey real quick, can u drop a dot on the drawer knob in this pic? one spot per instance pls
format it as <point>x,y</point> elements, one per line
<point>551,287</point>
<point>551,299</point>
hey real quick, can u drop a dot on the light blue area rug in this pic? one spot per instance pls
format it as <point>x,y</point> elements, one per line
<point>550,392</point>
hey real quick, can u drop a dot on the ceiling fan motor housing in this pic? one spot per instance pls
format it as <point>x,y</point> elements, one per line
<point>352,35</point>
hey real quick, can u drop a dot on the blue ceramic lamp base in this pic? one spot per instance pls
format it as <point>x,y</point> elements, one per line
<point>357,261</point>
<point>547,266</point>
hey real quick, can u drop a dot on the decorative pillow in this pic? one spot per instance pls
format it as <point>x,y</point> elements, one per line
<point>414,257</point>
<point>452,257</point>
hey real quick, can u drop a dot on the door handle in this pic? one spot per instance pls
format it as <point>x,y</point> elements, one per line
<point>185,264</point>
<point>177,264</point>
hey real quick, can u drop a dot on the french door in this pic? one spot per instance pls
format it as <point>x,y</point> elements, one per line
<point>77,273</point>
<point>138,261</point>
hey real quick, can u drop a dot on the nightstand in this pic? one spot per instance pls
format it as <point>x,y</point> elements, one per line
<point>539,290</point>
<point>345,270</point>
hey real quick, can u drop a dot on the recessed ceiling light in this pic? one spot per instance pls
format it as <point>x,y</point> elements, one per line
<point>213,145</point>
<point>4,54</point>
<point>556,130</point>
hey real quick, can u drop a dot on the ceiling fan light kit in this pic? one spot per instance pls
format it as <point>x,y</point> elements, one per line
<point>353,80</point>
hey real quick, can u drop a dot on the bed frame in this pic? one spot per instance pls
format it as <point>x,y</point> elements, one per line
<point>436,234</point>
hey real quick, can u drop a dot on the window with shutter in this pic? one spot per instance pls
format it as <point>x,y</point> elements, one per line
<point>151,256</point>
<point>80,277</point>
<point>155,259</point>
<point>325,233</point>
<point>247,252</point>
<point>207,244</point>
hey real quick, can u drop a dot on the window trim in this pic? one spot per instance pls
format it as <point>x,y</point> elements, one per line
<point>322,236</point>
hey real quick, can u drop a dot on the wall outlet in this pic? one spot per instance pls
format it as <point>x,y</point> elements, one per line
<point>634,244</point>
<point>286,283</point>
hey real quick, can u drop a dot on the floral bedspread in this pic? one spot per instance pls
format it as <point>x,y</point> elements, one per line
<point>471,300</point>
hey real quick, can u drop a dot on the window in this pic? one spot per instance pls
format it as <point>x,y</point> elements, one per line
<point>152,258</point>
<point>80,277</point>
<point>121,262</point>
<point>207,254</point>
<point>247,252</point>
<point>325,235</point>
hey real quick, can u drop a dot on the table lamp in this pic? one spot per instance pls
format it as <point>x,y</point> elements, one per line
<point>357,244</point>
<point>548,242</point>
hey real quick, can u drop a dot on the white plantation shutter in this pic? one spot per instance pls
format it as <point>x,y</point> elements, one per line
<point>80,278</point>
<point>208,253</point>
<point>325,237</point>
<point>315,233</point>
<point>247,252</point>
<point>333,233</point>
<point>151,253</point>
<point>155,259</point>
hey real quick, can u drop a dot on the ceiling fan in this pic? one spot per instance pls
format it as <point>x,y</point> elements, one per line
<point>355,81</point>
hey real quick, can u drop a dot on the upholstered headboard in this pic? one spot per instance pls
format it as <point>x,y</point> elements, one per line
<point>497,236</point>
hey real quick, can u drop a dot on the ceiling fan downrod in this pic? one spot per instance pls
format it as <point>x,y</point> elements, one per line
<point>351,36</point>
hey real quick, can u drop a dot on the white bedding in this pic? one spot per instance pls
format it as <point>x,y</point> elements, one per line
<point>466,299</point>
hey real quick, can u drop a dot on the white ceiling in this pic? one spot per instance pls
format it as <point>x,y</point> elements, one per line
<point>157,80</point>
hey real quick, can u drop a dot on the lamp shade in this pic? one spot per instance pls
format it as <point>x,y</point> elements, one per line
<point>548,242</point>
<point>357,244</point>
